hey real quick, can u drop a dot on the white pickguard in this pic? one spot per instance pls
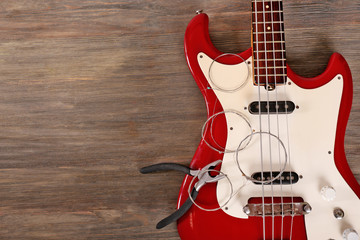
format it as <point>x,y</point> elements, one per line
<point>311,131</point>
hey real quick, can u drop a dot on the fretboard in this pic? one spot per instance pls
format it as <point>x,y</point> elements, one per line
<point>268,42</point>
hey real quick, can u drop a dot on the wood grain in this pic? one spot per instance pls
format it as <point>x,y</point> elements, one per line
<point>90,91</point>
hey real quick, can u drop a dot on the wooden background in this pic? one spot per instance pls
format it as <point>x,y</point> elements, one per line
<point>90,91</point>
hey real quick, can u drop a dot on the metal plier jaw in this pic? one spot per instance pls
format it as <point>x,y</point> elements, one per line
<point>202,174</point>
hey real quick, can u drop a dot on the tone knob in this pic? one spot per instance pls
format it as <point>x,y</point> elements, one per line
<point>328,193</point>
<point>350,234</point>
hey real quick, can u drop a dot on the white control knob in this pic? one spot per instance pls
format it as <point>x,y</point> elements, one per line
<point>328,193</point>
<point>350,234</point>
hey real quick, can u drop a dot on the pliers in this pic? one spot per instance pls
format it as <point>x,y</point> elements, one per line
<point>202,174</point>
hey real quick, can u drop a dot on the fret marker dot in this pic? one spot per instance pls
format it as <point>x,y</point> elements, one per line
<point>268,28</point>
<point>267,6</point>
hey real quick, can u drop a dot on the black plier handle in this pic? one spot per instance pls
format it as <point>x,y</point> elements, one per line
<point>202,174</point>
<point>165,167</point>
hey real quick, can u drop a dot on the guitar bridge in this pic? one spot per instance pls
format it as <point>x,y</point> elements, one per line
<point>277,209</point>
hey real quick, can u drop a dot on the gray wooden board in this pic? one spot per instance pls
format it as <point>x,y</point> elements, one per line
<point>90,91</point>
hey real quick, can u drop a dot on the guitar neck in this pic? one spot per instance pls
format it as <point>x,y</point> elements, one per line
<point>268,43</point>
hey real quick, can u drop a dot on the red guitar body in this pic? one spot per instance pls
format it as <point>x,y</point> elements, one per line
<point>207,225</point>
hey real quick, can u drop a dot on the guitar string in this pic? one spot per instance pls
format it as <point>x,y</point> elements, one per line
<point>282,70</point>
<point>283,61</point>
<point>267,86</point>
<point>216,87</point>
<point>205,128</point>
<point>277,111</point>
<point>276,104</point>
<point>268,106</point>
<point>277,116</point>
<point>260,124</point>
<point>212,122</point>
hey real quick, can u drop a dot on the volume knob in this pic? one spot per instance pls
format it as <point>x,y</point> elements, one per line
<point>328,193</point>
<point>350,234</point>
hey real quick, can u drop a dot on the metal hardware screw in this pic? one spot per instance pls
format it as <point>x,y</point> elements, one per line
<point>339,213</point>
<point>307,208</point>
<point>199,11</point>
<point>246,210</point>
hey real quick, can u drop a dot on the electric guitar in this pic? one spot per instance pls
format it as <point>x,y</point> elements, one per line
<point>280,137</point>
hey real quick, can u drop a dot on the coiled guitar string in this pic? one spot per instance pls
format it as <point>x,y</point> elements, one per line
<point>218,147</point>
<point>246,140</point>
<point>223,149</point>
<point>231,195</point>
<point>272,179</point>
<point>219,88</point>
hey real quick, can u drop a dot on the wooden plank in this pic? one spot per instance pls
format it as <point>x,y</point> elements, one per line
<point>90,91</point>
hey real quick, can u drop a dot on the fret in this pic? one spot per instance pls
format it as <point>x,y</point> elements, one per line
<point>270,32</point>
<point>270,11</point>
<point>269,51</point>
<point>267,17</point>
<point>271,75</point>
<point>258,1</point>
<point>270,71</point>
<point>268,41</point>
<point>264,27</point>
<point>271,80</point>
<point>263,60</point>
<point>271,67</point>
<point>269,46</point>
<point>268,65</point>
<point>268,22</point>
<point>268,37</point>
<point>267,6</point>
<point>269,55</point>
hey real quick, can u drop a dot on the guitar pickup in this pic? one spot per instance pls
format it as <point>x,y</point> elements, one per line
<point>286,178</point>
<point>272,107</point>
